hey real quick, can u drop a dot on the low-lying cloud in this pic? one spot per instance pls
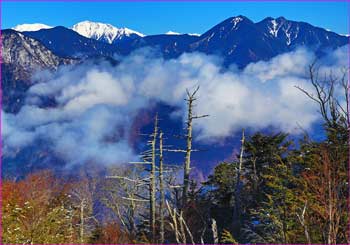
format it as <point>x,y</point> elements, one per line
<point>92,106</point>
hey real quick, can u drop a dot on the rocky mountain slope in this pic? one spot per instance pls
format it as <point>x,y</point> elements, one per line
<point>22,56</point>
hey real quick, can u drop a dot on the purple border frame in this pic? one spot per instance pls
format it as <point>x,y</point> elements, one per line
<point>1,121</point>
<point>348,83</point>
<point>175,1</point>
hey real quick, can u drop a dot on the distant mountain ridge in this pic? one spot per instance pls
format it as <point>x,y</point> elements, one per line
<point>68,43</point>
<point>242,41</point>
<point>237,39</point>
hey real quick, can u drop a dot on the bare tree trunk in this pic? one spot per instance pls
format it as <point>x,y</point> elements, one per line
<point>255,175</point>
<point>301,219</point>
<point>176,221</point>
<point>215,231</point>
<point>182,228</point>
<point>152,185</point>
<point>237,211</point>
<point>187,166</point>
<point>161,188</point>
<point>306,231</point>
<point>132,226</point>
<point>82,203</point>
<point>71,230</point>
<point>330,208</point>
<point>173,224</point>
<point>331,236</point>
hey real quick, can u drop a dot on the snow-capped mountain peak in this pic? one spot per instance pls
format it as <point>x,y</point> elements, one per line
<point>104,32</point>
<point>31,27</point>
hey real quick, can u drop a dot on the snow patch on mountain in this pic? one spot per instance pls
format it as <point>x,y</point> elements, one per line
<point>274,28</point>
<point>30,27</point>
<point>235,21</point>
<point>172,33</point>
<point>178,33</point>
<point>104,32</point>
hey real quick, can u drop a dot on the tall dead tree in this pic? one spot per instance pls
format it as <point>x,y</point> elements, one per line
<point>302,221</point>
<point>126,196</point>
<point>191,98</point>
<point>152,185</point>
<point>82,196</point>
<point>237,193</point>
<point>161,188</point>
<point>148,158</point>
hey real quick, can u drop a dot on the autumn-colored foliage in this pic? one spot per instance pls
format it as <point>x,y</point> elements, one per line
<point>35,210</point>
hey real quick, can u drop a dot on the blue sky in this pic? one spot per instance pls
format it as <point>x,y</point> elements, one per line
<point>184,17</point>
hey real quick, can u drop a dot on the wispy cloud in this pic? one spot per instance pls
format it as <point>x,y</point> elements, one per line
<point>94,105</point>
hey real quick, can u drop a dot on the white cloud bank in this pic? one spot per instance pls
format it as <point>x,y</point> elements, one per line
<point>95,105</point>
